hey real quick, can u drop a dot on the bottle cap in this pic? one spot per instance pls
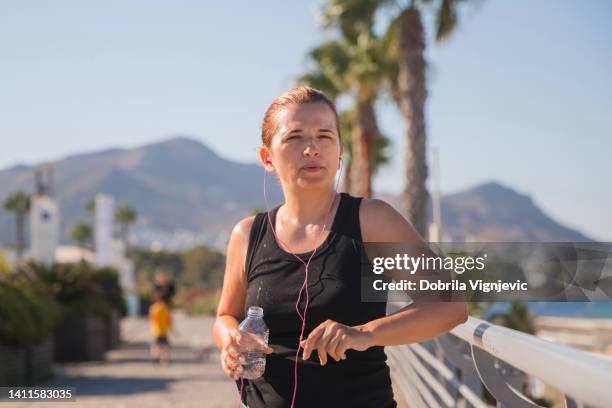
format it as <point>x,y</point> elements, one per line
<point>255,311</point>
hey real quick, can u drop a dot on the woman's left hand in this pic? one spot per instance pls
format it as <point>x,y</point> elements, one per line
<point>335,338</point>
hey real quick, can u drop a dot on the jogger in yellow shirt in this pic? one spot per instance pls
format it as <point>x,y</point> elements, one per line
<point>161,325</point>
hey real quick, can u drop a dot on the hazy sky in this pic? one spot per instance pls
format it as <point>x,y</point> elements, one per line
<point>521,93</point>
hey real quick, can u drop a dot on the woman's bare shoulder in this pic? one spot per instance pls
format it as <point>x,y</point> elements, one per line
<point>243,227</point>
<point>381,222</point>
<point>237,248</point>
<point>241,231</point>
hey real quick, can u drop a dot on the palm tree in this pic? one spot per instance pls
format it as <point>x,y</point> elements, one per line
<point>82,233</point>
<point>355,16</point>
<point>19,202</point>
<point>124,217</point>
<point>90,205</point>
<point>353,66</point>
<point>329,63</point>
<point>379,156</point>
<point>517,317</point>
<point>346,134</point>
<point>255,210</point>
<point>366,63</point>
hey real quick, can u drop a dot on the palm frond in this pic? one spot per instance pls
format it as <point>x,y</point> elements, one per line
<point>446,19</point>
<point>352,17</point>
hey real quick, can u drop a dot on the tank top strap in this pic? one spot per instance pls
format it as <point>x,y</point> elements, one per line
<point>348,222</point>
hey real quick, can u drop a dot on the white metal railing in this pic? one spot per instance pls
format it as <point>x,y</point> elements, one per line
<point>422,376</point>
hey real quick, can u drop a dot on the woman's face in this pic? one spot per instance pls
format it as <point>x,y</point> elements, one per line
<point>306,150</point>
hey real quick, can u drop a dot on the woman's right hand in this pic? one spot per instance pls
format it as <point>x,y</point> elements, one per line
<point>231,353</point>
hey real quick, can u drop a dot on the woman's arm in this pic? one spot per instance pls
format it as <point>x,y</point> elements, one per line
<point>380,222</point>
<point>231,304</point>
<point>417,322</point>
<point>230,310</point>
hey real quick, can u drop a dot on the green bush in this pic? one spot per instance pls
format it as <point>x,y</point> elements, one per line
<point>203,266</point>
<point>204,306</point>
<point>45,310</point>
<point>199,266</point>
<point>199,301</point>
<point>108,279</point>
<point>5,267</point>
<point>516,318</point>
<point>34,300</point>
<point>16,322</point>
<point>81,287</point>
<point>27,312</point>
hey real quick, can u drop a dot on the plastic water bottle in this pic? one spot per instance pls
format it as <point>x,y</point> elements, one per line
<point>254,358</point>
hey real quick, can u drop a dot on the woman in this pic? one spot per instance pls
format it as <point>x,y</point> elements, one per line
<point>343,360</point>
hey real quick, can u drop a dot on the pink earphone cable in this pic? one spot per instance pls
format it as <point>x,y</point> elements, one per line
<point>304,285</point>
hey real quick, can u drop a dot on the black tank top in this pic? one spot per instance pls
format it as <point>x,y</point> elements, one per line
<point>274,278</point>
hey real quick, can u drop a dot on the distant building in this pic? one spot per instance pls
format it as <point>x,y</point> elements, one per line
<point>103,230</point>
<point>73,254</point>
<point>112,252</point>
<point>44,228</point>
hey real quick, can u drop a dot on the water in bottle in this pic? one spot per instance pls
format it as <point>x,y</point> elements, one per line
<point>253,328</point>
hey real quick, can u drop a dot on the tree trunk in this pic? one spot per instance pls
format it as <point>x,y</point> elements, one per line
<point>19,239</point>
<point>125,232</point>
<point>346,176</point>
<point>365,131</point>
<point>413,94</point>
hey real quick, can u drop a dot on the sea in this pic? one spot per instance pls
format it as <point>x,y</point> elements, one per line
<point>594,309</point>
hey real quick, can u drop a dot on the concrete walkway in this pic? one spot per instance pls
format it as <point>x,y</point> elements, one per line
<point>128,378</point>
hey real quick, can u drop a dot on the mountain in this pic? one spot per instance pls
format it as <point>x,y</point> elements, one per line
<point>185,193</point>
<point>173,184</point>
<point>493,212</point>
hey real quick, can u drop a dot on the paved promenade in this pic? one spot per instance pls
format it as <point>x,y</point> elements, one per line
<point>128,378</point>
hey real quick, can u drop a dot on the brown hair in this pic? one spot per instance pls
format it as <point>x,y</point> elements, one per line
<point>297,95</point>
